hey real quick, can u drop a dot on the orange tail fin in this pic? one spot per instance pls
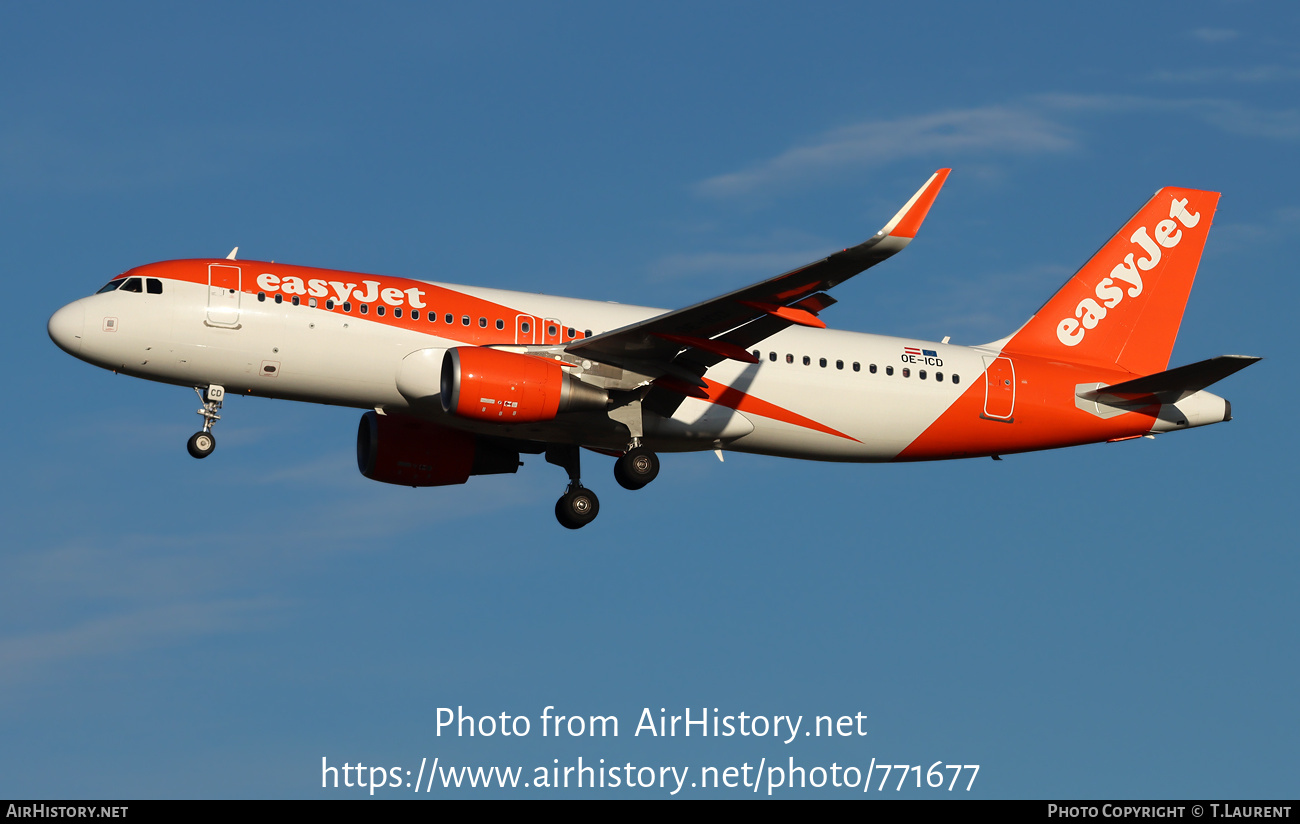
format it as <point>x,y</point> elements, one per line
<point>1124,306</point>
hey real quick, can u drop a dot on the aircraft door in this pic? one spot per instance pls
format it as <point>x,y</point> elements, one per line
<point>525,329</point>
<point>550,330</point>
<point>224,291</point>
<point>999,389</point>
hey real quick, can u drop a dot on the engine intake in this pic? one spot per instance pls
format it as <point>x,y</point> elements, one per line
<point>505,387</point>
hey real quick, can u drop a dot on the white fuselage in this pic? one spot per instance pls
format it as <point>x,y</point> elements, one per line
<point>826,393</point>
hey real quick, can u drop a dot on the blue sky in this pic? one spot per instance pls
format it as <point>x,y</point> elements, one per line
<point>1113,620</point>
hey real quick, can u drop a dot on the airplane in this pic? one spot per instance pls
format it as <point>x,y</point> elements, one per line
<point>460,381</point>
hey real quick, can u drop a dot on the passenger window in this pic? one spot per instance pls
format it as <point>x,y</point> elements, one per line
<point>789,358</point>
<point>347,306</point>
<point>872,369</point>
<point>397,313</point>
<point>524,327</point>
<point>907,373</point>
<point>502,325</point>
<point>154,285</point>
<point>938,376</point>
<point>482,323</point>
<point>823,363</point>
<point>573,333</point>
<point>587,334</point>
<point>551,330</point>
<point>921,374</point>
<point>450,319</point>
<point>807,361</point>
<point>261,297</point>
<point>311,302</point>
<point>295,300</point>
<point>839,364</point>
<point>415,314</point>
<point>132,285</point>
<point>329,303</point>
<point>364,308</point>
<point>279,298</point>
<point>956,379</point>
<point>464,320</point>
<point>379,310</point>
<point>771,356</point>
<point>857,367</point>
<point>889,370</point>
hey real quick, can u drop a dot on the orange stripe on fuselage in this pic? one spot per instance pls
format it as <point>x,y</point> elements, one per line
<point>1044,417</point>
<point>735,399</point>
<point>437,301</point>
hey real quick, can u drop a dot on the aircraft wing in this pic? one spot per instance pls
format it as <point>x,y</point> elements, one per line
<point>726,326</point>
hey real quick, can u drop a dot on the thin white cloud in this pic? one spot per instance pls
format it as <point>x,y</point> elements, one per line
<point>762,264</point>
<point>1228,115</point>
<point>47,154</point>
<point>1242,74</point>
<point>982,307</point>
<point>1039,124</point>
<point>1278,225</point>
<point>23,657</point>
<point>1208,34</point>
<point>107,597</point>
<point>1000,129</point>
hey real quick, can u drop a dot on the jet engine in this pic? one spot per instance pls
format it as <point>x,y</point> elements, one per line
<point>396,449</point>
<point>505,387</point>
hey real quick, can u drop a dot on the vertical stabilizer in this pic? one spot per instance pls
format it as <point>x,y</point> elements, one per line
<point>1124,306</point>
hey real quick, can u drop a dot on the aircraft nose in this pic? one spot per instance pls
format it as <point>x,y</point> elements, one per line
<point>66,327</point>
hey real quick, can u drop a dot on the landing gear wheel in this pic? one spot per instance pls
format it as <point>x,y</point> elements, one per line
<point>637,468</point>
<point>201,444</point>
<point>577,507</point>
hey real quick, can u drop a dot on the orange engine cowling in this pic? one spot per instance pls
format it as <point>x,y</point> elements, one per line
<point>397,449</point>
<point>505,387</point>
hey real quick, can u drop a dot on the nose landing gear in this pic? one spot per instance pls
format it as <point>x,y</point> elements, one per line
<point>202,443</point>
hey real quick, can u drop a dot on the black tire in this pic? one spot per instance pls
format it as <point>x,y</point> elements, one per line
<point>577,508</point>
<point>201,444</point>
<point>637,468</point>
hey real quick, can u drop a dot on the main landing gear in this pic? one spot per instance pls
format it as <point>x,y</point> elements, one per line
<point>202,443</point>
<point>638,467</point>
<point>578,506</point>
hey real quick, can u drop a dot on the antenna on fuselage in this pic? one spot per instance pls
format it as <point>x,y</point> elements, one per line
<point>232,254</point>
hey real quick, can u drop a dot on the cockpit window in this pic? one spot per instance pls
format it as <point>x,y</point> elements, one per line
<point>133,285</point>
<point>110,286</point>
<point>153,286</point>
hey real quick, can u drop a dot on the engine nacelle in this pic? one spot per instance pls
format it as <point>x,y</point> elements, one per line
<point>505,387</point>
<point>396,449</point>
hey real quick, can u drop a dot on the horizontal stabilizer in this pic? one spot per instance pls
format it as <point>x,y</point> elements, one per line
<point>1171,385</point>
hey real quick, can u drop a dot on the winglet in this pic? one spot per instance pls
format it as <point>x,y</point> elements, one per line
<point>909,218</point>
